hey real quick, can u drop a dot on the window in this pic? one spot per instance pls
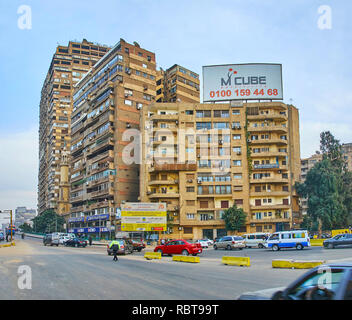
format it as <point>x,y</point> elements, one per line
<point>203,125</point>
<point>128,102</point>
<point>236,137</point>
<point>237,175</point>
<point>203,114</point>
<point>237,163</point>
<point>190,216</point>
<point>236,112</point>
<point>147,97</point>
<point>188,230</point>
<point>190,189</point>
<point>221,114</point>
<point>285,235</point>
<point>221,125</point>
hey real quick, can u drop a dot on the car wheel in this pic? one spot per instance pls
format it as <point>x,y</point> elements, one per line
<point>275,247</point>
<point>260,246</point>
<point>228,247</point>
<point>331,246</point>
<point>215,247</point>
<point>76,245</point>
<point>185,253</point>
<point>299,247</point>
<point>139,249</point>
<point>109,253</point>
<point>240,248</point>
<point>160,251</point>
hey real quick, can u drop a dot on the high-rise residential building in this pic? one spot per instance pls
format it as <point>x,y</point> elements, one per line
<point>347,154</point>
<point>306,165</point>
<point>177,84</point>
<point>106,111</point>
<point>203,158</point>
<point>69,64</point>
<point>24,215</point>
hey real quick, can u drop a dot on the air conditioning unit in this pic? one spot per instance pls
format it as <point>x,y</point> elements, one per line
<point>139,107</point>
<point>128,125</point>
<point>198,155</point>
<point>126,95</point>
<point>221,141</point>
<point>199,181</point>
<point>175,213</point>
<point>179,228</point>
<point>279,171</point>
<point>239,153</point>
<point>190,181</point>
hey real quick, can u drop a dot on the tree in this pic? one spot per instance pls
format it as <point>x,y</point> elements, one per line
<point>48,222</point>
<point>235,218</point>
<point>328,187</point>
<point>25,227</point>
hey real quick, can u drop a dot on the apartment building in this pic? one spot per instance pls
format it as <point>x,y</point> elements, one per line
<point>203,158</point>
<point>347,154</point>
<point>177,84</point>
<point>106,109</point>
<point>68,65</point>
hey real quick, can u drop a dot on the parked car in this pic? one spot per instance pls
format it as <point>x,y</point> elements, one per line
<point>64,238</point>
<point>288,239</point>
<point>255,239</point>
<point>76,242</point>
<point>51,239</point>
<point>203,243</point>
<point>126,246</point>
<point>138,245</point>
<point>325,282</point>
<point>344,239</point>
<point>210,242</point>
<point>2,237</point>
<point>179,246</point>
<point>230,242</point>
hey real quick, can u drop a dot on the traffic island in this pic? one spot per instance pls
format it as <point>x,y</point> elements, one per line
<point>296,264</point>
<point>236,261</point>
<point>191,259</point>
<point>152,255</point>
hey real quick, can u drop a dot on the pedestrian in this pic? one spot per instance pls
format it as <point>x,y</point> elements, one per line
<point>7,237</point>
<point>90,240</point>
<point>162,241</point>
<point>22,236</point>
<point>115,248</point>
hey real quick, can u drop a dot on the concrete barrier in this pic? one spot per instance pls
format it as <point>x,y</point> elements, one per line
<point>7,245</point>
<point>191,259</point>
<point>316,242</point>
<point>296,264</point>
<point>152,255</point>
<point>236,261</point>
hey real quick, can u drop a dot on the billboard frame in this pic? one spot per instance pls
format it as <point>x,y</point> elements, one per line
<point>244,64</point>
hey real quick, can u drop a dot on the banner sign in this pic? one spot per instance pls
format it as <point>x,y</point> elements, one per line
<point>254,81</point>
<point>143,216</point>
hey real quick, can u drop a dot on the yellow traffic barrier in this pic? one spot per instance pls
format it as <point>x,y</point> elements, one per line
<point>296,264</point>
<point>282,263</point>
<point>306,264</point>
<point>192,259</point>
<point>152,255</point>
<point>316,242</point>
<point>236,261</point>
<point>7,245</point>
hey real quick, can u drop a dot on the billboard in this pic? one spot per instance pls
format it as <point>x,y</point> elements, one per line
<point>253,81</point>
<point>141,216</point>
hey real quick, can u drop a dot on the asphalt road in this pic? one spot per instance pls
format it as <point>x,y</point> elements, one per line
<point>60,273</point>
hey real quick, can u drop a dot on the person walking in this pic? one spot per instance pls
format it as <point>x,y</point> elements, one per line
<point>115,248</point>
<point>90,240</point>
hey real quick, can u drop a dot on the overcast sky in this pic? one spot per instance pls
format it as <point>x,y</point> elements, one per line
<point>315,52</point>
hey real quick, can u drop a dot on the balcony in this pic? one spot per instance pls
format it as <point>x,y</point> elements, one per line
<point>269,141</point>
<point>162,195</point>
<point>279,129</point>
<point>173,167</point>
<point>269,180</point>
<point>270,220</point>
<point>270,115</point>
<point>163,182</point>
<point>164,117</point>
<point>268,154</point>
<point>270,207</point>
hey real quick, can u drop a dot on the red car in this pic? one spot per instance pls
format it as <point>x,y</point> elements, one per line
<point>179,247</point>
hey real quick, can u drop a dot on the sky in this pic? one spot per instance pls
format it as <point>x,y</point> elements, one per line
<point>310,38</point>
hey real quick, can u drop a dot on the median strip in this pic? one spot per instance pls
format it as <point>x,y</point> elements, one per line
<point>7,245</point>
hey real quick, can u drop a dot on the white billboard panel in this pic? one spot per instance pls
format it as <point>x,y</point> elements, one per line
<point>254,81</point>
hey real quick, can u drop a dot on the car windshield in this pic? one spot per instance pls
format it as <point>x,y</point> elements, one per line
<point>338,237</point>
<point>238,238</point>
<point>330,279</point>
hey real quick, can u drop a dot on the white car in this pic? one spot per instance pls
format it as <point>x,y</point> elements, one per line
<point>210,242</point>
<point>203,243</point>
<point>64,238</point>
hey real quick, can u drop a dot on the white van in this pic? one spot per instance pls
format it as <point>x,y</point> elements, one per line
<point>288,239</point>
<point>256,239</point>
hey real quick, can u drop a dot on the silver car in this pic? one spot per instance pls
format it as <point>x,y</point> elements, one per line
<point>230,242</point>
